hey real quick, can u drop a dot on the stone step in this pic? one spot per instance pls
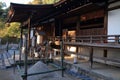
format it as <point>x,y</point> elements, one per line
<point>6,61</point>
<point>2,64</point>
<point>9,57</point>
<point>6,58</point>
<point>82,70</point>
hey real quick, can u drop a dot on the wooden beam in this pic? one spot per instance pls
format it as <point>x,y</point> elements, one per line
<point>79,7</point>
<point>60,2</point>
<point>114,1</point>
<point>113,8</point>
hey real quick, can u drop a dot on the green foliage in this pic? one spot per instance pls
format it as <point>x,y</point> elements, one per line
<point>10,34</point>
<point>36,2</point>
<point>1,24</point>
<point>5,31</point>
<point>3,15</point>
<point>14,30</point>
<point>49,1</point>
<point>2,11</point>
<point>43,1</point>
<point>8,39</point>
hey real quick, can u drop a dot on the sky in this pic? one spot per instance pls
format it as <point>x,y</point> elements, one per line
<point>15,1</point>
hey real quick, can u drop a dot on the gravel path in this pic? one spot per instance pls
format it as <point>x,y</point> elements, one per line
<point>41,67</point>
<point>8,74</point>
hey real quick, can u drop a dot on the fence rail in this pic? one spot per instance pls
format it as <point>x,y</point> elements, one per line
<point>95,39</point>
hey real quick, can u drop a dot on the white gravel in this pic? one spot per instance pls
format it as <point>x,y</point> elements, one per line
<point>41,67</point>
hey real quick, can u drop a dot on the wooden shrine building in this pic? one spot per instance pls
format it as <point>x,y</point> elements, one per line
<point>89,29</point>
<point>83,24</point>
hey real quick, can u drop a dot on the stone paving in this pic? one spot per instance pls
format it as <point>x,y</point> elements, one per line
<point>99,71</point>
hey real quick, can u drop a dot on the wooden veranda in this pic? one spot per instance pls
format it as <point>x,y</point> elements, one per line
<point>85,19</point>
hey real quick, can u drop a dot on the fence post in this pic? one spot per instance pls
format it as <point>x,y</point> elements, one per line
<point>62,56</point>
<point>101,39</point>
<point>116,39</point>
<point>91,40</point>
<point>14,62</point>
<point>91,57</point>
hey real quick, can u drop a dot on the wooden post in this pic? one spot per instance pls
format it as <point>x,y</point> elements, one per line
<point>117,39</point>
<point>60,28</point>
<point>29,29</point>
<point>14,62</point>
<point>27,51</point>
<point>106,18</point>
<point>101,39</point>
<point>91,40</point>
<point>105,54</point>
<point>25,62</point>
<point>78,26</point>
<point>61,46</point>
<point>91,56</point>
<point>62,57</point>
<point>21,32</point>
<point>77,48</point>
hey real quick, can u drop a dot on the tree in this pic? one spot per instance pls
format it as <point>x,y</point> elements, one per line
<point>2,11</point>
<point>36,2</point>
<point>49,1</point>
<point>43,1</point>
<point>13,30</point>
<point>3,14</point>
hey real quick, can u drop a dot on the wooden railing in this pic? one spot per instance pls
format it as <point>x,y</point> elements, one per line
<point>95,39</point>
<point>105,42</point>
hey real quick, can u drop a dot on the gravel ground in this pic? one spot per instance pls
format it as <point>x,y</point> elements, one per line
<point>8,74</point>
<point>41,67</point>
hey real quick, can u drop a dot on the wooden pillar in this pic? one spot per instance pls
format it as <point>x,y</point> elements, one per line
<point>29,29</point>
<point>35,38</point>
<point>117,39</point>
<point>21,32</point>
<point>25,62</point>
<point>61,46</point>
<point>105,54</point>
<point>27,51</point>
<point>14,62</point>
<point>78,26</point>
<point>60,28</point>
<point>77,50</point>
<point>62,57</point>
<point>106,19</point>
<point>91,57</point>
